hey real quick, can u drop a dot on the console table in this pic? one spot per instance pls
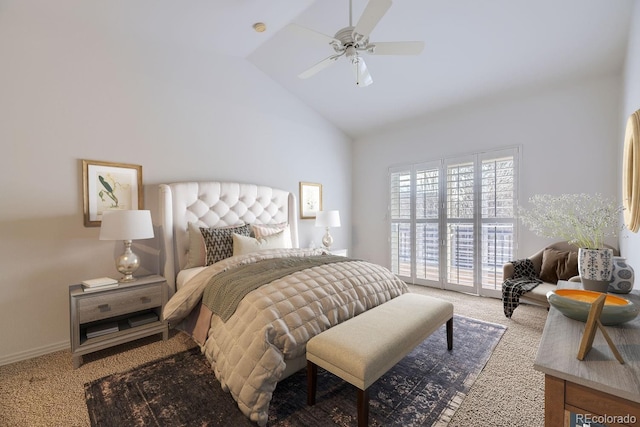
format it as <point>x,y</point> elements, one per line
<point>599,387</point>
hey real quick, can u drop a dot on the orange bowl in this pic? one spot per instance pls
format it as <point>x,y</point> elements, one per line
<point>576,303</point>
<point>591,296</point>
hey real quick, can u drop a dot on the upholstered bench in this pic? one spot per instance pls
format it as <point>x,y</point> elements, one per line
<point>364,348</point>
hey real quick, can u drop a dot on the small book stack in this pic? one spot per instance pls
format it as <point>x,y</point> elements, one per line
<point>99,284</point>
<point>142,319</point>
<point>102,329</point>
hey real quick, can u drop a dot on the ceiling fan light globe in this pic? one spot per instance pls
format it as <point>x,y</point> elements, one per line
<point>351,53</point>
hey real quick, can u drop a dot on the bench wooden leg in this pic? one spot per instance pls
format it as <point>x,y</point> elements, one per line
<point>450,334</point>
<point>363,408</point>
<point>312,379</point>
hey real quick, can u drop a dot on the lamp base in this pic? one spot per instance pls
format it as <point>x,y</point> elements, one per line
<point>127,263</point>
<point>127,278</point>
<point>327,240</point>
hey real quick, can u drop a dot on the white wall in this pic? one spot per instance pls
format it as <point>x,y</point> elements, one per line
<point>630,242</point>
<point>71,89</point>
<point>568,132</point>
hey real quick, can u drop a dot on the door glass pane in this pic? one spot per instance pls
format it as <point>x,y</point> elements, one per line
<point>401,195</point>
<point>460,191</point>
<point>498,188</point>
<point>497,249</point>
<point>427,251</point>
<point>427,192</point>
<point>460,253</point>
<point>401,249</point>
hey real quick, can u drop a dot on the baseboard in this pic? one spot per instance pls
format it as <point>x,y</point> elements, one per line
<point>34,352</point>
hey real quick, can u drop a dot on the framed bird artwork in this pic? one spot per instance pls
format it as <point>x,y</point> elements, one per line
<point>109,186</point>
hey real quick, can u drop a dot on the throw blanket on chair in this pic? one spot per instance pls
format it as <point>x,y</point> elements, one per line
<point>524,280</point>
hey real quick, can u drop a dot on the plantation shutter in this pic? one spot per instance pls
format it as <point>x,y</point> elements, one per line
<point>498,205</point>
<point>427,210</point>
<point>460,224</point>
<point>401,215</point>
<point>453,220</point>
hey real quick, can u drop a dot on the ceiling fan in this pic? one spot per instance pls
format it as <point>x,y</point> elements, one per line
<point>352,41</point>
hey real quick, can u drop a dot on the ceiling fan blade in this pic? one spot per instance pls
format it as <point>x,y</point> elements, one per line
<point>372,14</point>
<point>363,78</point>
<point>319,66</point>
<point>308,32</point>
<point>397,48</point>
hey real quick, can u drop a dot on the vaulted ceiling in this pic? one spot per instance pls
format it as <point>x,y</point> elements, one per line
<point>474,49</point>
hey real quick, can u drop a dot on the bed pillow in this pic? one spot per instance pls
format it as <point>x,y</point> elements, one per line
<point>558,265</point>
<point>244,245</point>
<point>263,230</point>
<point>197,254</point>
<point>219,241</point>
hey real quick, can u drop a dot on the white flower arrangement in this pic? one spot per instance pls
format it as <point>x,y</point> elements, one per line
<point>583,220</point>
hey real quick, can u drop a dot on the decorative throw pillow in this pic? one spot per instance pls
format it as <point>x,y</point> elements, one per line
<point>219,241</point>
<point>196,256</point>
<point>558,265</point>
<point>569,268</point>
<point>263,230</point>
<point>244,245</point>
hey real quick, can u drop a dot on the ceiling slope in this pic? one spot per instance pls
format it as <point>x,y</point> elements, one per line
<point>473,49</point>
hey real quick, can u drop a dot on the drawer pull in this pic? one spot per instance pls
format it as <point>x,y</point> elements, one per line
<point>145,300</point>
<point>104,307</point>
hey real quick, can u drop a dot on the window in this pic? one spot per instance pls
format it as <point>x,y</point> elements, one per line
<point>452,221</point>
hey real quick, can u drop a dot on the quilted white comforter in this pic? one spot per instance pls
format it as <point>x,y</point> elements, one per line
<point>273,323</point>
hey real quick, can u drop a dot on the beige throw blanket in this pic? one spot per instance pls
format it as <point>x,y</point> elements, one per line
<point>273,323</point>
<point>225,290</point>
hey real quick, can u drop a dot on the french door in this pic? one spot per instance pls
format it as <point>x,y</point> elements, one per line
<point>452,221</point>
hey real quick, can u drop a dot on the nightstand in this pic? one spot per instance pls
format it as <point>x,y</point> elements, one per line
<point>339,252</point>
<point>103,318</point>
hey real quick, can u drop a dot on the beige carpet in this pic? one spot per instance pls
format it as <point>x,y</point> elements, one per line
<point>46,391</point>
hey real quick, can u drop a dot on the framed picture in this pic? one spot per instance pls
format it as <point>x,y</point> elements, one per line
<point>591,326</point>
<point>593,323</point>
<point>109,186</point>
<point>310,199</point>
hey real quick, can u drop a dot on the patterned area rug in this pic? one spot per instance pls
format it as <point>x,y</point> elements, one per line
<point>423,389</point>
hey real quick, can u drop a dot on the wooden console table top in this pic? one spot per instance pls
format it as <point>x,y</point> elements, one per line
<point>558,350</point>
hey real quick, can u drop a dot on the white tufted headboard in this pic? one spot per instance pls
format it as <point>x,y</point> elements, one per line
<point>217,204</point>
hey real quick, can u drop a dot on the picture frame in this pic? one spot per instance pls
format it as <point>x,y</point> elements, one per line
<point>591,325</point>
<point>310,199</point>
<point>108,186</point>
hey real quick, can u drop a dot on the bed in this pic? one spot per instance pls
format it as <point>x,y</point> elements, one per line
<point>245,291</point>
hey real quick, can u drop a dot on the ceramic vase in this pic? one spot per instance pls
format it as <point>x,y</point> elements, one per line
<point>595,267</point>
<point>622,277</point>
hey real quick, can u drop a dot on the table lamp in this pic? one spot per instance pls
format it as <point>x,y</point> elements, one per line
<point>327,219</point>
<point>126,225</point>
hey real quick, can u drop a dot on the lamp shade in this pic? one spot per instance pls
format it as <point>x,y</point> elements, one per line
<point>328,219</point>
<point>126,225</point>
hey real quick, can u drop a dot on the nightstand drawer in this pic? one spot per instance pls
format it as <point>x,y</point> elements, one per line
<point>110,304</point>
